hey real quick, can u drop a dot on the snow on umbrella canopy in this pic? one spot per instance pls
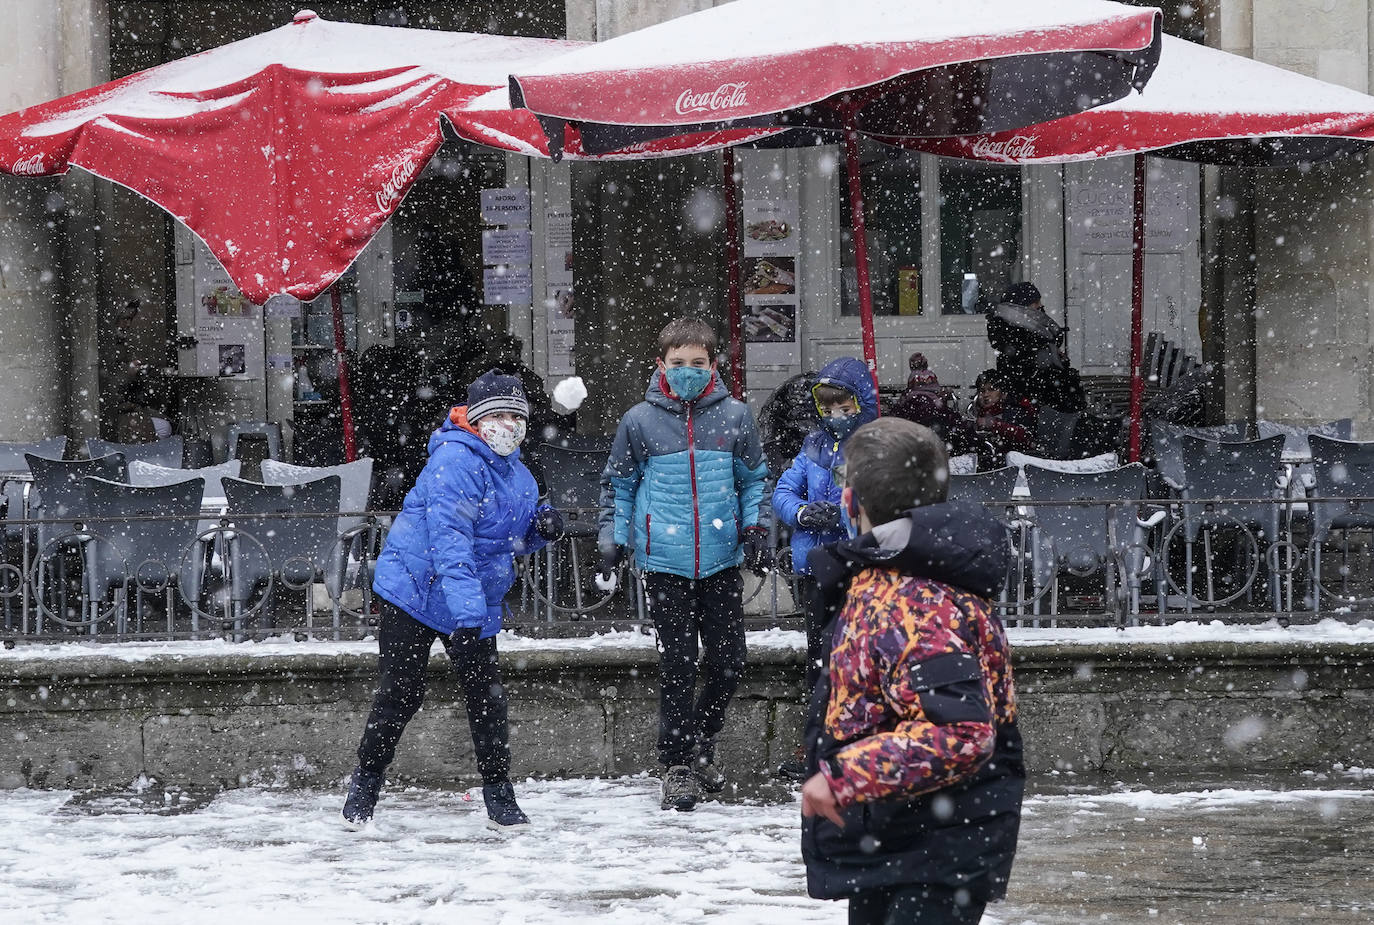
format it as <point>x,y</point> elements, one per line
<point>894,67</point>
<point>1202,104</point>
<point>284,152</point>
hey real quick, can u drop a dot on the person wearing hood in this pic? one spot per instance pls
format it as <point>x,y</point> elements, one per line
<point>444,574</point>
<point>912,804</point>
<point>808,500</point>
<point>683,489</point>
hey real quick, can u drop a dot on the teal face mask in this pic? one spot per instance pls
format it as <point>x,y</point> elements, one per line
<point>687,382</point>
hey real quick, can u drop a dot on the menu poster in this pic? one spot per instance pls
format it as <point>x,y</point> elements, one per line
<point>229,328</point>
<point>558,246</point>
<point>770,329</point>
<point>770,228</point>
<point>562,326</point>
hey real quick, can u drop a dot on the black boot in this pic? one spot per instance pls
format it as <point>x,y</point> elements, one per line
<point>503,813</point>
<point>363,790</point>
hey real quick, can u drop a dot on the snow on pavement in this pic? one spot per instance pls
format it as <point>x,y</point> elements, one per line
<point>603,852</point>
<point>1183,631</point>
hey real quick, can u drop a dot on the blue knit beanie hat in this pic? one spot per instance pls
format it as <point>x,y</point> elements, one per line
<point>494,392</point>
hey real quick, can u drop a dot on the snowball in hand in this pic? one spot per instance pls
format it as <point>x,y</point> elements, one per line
<point>570,393</point>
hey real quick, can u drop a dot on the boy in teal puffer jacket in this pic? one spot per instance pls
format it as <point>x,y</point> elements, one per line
<point>684,490</point>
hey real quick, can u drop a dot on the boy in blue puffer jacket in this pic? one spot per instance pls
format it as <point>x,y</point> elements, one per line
<point>807,498</point>
<point>684,489</point>
<point>444,572</point>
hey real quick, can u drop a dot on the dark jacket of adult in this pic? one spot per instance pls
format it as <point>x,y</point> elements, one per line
<point>930,777</point>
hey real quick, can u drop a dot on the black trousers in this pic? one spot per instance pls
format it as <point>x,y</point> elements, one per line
<point>684,611</point>
<point>815,630</point>
<point>405,644</point>
<point>915,904</point>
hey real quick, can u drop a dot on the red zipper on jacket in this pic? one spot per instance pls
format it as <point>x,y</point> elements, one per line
<point>696,512</point>
<point>648,537</point>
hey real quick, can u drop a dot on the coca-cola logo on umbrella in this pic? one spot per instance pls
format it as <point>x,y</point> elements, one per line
<point>395,187</point>
<point>1017,147</point>
<point>29,166</point>
<point>726,96</point>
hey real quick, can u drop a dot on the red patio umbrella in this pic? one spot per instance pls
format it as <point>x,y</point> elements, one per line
<point>1202,104</point>
<point>892,67</point>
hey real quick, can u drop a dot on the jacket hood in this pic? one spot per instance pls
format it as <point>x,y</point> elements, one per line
<point>656,393</point>
<point>457,429</point>
<point>955,543</point>
<point>853,376</point>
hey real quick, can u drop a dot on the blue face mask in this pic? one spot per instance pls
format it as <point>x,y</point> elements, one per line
<point>687,382</point>
<point>841,425</point>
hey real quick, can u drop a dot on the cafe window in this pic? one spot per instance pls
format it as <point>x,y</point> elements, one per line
<point>926,214</point>
<point>980,234</point>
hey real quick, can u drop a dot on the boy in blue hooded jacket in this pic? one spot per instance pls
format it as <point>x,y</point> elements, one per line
<point>444,573</point>
<point>807,497</point>
<point>684,489</point>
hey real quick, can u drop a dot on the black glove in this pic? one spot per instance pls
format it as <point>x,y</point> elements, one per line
<point>548,523</point>
<point>465,635</point>
<point>609,560</point>
<point>819,516</point>
<point>758,553</point>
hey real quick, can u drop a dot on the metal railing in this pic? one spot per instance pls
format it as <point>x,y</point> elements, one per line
<point>1131,562</point>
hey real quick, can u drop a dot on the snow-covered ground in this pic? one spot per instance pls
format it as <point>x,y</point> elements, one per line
<point>1324,631</point>
<point>603,852</point>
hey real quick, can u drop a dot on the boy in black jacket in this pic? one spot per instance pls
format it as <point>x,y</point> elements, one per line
<point>913,802</point>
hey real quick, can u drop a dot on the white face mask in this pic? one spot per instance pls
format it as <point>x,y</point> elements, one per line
<point>504,437</point>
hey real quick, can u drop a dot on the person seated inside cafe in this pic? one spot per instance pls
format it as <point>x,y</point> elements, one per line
<point>930,404</point>
<point>1002,422</point>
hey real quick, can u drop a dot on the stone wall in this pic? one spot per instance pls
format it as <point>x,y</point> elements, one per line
<point>293,719</point>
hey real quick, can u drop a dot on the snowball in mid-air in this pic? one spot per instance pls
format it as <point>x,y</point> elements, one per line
<point>570,393</point>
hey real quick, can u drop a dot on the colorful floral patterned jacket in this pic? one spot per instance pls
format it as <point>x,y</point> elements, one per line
<point>914,723</point>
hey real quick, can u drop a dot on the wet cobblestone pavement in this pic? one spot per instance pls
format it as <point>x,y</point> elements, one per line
<point>1198,852</point>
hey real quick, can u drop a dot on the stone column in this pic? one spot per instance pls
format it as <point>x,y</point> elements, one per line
<point>47,299</point>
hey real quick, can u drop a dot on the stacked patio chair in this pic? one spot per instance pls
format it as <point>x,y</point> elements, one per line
<point>1341,469</point>
<point>165,452</point>
<point>995,490</point>
<point>14,471</point>
<point>269,547</point>
<point>355,487</point>
<point>63,502</point>
<point>147,554</point>
<point>1240,477</point>
<point>572,478</point>
<point>1102,538</point>
<point>257,433</point>
<point>1167,450</point>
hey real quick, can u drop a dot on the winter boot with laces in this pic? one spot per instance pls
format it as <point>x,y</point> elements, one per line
<point>680,789</point>
<point>363,790</point>
<point>794,768</point>
<point>708,775</point>
<point>503,813</point>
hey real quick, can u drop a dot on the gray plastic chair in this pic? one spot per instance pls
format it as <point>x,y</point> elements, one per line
<point>1168,451</point>
<point>165,452</point>
<point>1225,470</point>
<point>268,545</point>
<point>12,461</point>
<point>572,481</point>
<point>150,553</point>
<point>1086,539</point>
<point>62,498</point>
<point>268,430</point>
<point>355,486</point>
<point>1054,431</point>
<point>1340,469</point>
<point>996,486</point>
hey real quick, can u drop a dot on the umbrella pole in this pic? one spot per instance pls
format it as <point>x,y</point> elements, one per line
<point>732,274</point>
<point>345,395</point>
<point>1137,303</point>
<point>856,208</point>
